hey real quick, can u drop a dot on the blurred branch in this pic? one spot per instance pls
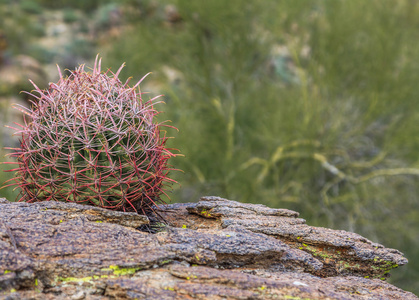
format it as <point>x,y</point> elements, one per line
<point>369,164</point>
<point>279,155</point>
<point>339,174</point>
<point>387,172</point>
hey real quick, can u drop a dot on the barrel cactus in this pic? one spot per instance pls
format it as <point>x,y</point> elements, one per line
<point>91,139</point>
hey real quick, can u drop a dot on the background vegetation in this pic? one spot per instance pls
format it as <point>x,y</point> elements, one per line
<point>306,105</point>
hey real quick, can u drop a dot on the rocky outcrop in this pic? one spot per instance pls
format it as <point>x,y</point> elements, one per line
<point>213,249</point>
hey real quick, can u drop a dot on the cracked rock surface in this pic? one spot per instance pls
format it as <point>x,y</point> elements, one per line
<point>212,249</point>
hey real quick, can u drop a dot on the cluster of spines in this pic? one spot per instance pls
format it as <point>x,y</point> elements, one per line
<point>91,140</point>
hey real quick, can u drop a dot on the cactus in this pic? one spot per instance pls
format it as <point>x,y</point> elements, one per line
<point>91,139</point>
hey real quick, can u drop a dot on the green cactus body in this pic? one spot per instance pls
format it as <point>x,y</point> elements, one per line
<point>91,139</point>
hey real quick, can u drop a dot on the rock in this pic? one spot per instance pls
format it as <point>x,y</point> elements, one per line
<point>341,252</point>
<point>213,249</point>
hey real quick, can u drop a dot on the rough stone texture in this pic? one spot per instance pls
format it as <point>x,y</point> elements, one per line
<point>213,249</point>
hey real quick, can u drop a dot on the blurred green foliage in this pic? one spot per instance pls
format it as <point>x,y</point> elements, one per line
<point>69,15</point>
<point>306,105</point>
<point>86,6</point>
<point>30,6</point>
<point>16,24</point>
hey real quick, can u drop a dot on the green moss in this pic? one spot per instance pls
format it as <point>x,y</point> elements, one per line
<point>320,254</point>
<point>316,252</point>
<point>165,261</point>
<point>383,265</point>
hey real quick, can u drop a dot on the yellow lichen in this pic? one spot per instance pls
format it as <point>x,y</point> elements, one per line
<point>123,271</point>
<point>75,279</point>
<point>205,213</point>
